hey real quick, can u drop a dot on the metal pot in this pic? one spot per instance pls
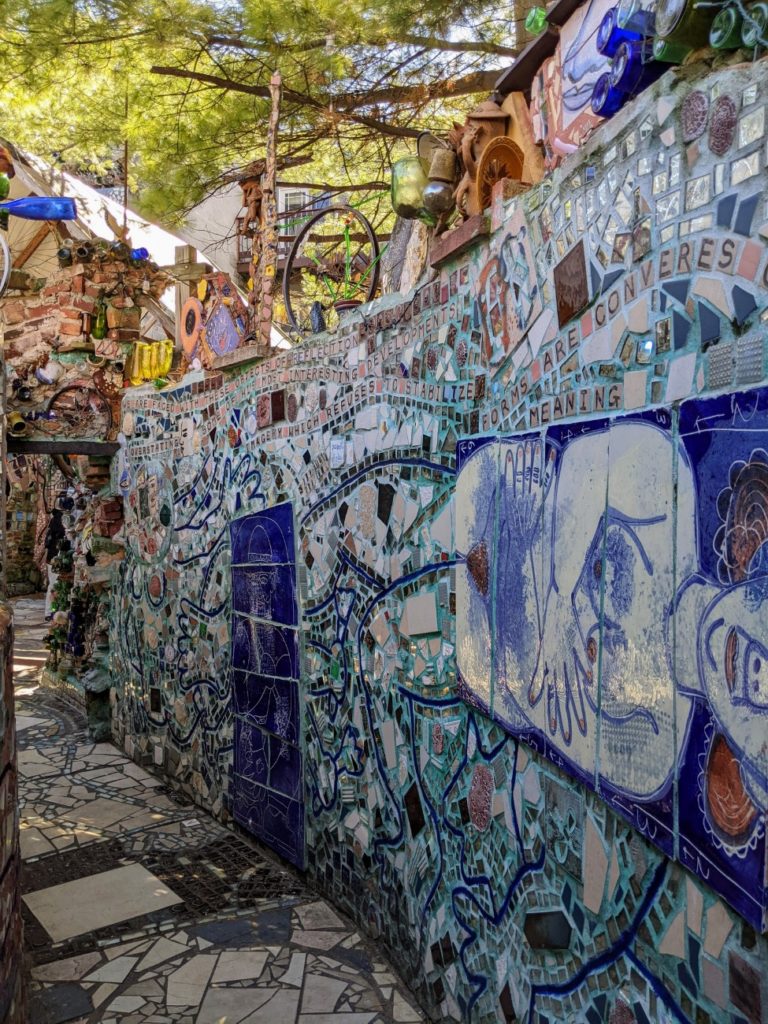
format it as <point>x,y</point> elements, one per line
<point>17,425</point>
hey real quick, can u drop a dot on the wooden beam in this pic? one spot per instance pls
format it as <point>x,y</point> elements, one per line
<point>21,446</point>
<point>32,245</point>
<point>187,271</point>
<point>159,312</point>
<point>267,265</point>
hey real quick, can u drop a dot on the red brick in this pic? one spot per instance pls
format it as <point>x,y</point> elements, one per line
<point>34,312</point>
<point>70,327</point>
<point>14,312</point>
<point>458,240</point>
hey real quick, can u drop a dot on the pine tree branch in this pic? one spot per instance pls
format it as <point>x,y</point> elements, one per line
<point>444,88</point>
<point>365,186</point>
<point>401,95</point>
<point>301,99</point>
<point>405,39</point>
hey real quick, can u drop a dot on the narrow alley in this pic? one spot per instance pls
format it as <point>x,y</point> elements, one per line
<point>140,909</point>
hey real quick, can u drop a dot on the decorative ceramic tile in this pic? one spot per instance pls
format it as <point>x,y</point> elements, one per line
<point>697,192</point>
<point>751,127</point>
<point>267,759</point>
<point>720,652</point>
<point>745,167</point>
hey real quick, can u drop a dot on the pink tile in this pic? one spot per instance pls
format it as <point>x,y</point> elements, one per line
<point>750,260</point>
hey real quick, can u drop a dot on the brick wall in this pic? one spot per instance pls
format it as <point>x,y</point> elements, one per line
<point>48,333</point>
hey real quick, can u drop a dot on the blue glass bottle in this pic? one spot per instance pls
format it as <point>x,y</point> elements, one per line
<point>606,99</point>
<point>610,34</point>
<point>631,15</point>
<point>634,68</point>
<point>41,208</point>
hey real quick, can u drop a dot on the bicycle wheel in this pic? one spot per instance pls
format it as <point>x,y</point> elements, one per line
<point>80,411</point>
<point>335,256</point>
<point>5,264</point>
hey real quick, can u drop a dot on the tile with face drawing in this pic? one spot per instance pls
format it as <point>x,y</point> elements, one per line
<point>519,576</point>
<point>721,652</point>
<point>476,500</point>
<point>563,690</point>
<point>640,714</point>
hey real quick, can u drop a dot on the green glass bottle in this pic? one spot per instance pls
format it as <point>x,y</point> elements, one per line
<point>670,53</point>
<point>99,329</point>
<point>725,31</point>
<point>754,30</point>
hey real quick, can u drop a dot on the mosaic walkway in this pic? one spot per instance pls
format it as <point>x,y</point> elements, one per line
<point>140,909</point>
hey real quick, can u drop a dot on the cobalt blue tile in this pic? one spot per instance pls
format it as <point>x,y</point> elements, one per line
<point>744,217</point>
<point>744,303</point>
<point>264,537</point>
<point>285,768</point>
<point>710,324</point>
<point>272,704</point>
<point>266,592</point>
<point>611,277</point>
<point>275,819</point>
<point>725,208</point>
<point>681,328</point>
<point>265,649</point>
<point>678,289</point>
<point>252,755</point>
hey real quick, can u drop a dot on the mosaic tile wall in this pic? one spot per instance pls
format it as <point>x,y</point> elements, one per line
<point>532,460</point>
<point>12,1009</point>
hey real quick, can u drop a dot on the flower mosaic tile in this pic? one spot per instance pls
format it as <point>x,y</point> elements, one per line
<point>519,740</point>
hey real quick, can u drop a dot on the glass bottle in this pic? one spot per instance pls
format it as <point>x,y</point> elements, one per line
<point>754,29</point>
<point>99,328</point>
<point>408,184</point>
<point>725,32</point>
<point>42,208</point>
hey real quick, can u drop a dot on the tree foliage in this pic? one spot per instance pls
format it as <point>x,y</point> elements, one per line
<point>185,83</point>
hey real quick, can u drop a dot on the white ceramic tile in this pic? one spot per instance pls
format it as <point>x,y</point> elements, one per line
<point>239,965</point>
<point>321,994</point>
<point>187,984</point>
<point>318,915</point>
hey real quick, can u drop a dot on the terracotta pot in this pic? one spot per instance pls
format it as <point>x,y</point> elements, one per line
<point>344,305</point>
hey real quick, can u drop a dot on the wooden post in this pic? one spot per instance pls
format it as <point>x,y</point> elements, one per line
<point>187,272</point>
<point>267,236</point>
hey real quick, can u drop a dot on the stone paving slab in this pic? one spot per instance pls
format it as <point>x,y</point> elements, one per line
<point>81,906</point>
<point>198,924</point>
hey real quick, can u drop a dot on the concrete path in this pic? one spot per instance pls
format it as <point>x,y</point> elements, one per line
<point>140,909</point>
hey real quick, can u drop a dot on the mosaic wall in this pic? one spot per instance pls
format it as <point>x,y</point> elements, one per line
<point>528,525</point>
<point>12,1010</point>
